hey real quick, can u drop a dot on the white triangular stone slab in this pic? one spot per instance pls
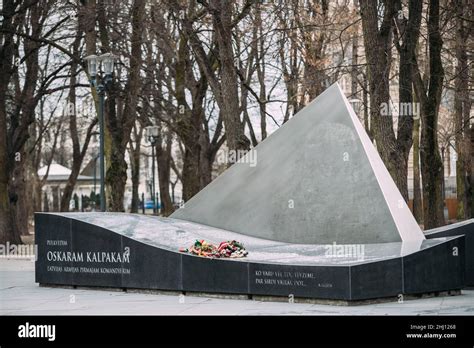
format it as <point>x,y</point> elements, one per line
<point>318,179</point>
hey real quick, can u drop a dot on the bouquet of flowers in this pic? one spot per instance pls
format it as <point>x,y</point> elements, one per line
<point>230,249</point>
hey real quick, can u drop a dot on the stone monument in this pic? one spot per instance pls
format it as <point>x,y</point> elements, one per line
<point>318,213</point>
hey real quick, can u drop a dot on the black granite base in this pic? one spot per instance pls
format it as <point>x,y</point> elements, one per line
<point>74,251</point>
<point>465,228</point>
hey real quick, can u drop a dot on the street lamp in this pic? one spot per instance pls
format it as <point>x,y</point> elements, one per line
<point>101,85</point>
<point>152,133</point>
<point>95,180</point>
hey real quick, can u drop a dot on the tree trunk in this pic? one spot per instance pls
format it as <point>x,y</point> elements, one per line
<point>14,127</point>
<point>208,152</point>
<point>365,100</point>
<point>55,193</point>
<point>163,159</point>
<point>432,172</point>
<point>471,193</point>
<point>188,122</point>
<point>462,107</point>
<point>134,155</point>
<point>116,179</point>
<point>377,44</point>
<point>222,23</point>
<point>45,203</point>
<point>69,188</point>
<point>38,189</point>
<point>354,62</point>
<point>431,164</point>
<point>78,154</point>
<point>135,163</point>
<point>407,50</point>
<point>190,173</point>
<point>20,194</point>
<point>120,120</point>
<point>314,42</point>
<point>7,233</point>
<point>191,126</point>
<point>417,201</point>
<point>225,88</point>
<point>261,71</point>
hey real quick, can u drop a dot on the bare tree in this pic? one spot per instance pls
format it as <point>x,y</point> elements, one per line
<point>121,109</point>
<point>378,48</point>
<point>462,110</point>
<point>78,151</point>
<point>23,25</point>
<point>224,87</point>
<point>430,98</point>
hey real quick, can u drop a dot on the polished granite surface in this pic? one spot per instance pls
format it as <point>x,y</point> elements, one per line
<point>19,295</point>
<point>172,234</point>
<point>456,226</point>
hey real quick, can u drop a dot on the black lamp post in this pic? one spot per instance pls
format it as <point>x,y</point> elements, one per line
<point>95,174</point>
<point>152,133</point>
<point>101,86</point>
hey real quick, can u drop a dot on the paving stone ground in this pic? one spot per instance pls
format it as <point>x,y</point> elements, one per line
<point>20,295</point>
